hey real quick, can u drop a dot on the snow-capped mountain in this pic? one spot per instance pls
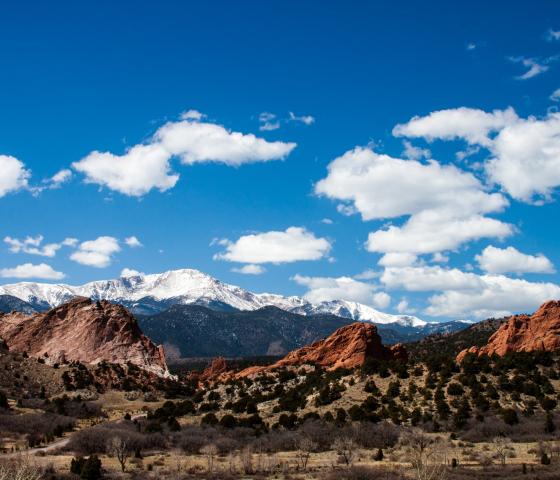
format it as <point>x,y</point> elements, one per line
<point>157,292</point>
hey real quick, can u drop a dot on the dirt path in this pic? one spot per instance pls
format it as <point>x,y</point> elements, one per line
<point>62,442</point>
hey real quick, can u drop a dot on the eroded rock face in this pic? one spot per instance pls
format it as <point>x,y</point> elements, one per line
<point>85,331</point>
<point>524,333</point>
<point>348,347</point>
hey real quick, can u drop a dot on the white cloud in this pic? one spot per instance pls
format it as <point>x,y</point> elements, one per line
<point>429,232</point>
<point>415,153</point>
<point>147,166</point>
<point>292,245</point>
<point>59,178</point>
<point>33,245</point>
<point>397,259</point>
<point>498,296</point>
<point>552,35</point>
<point>368,274</point>
<point>439,257</point>
<point>193,115</point>
<point>498,260</point>
<point>268,122</point>
<point>133,242</point>
<point>471,46</point>
<point>250,269</point>
<point>534,67</point>
<point>526,157</point>
<point>555,96</point>
<point>446,205</point>
<point>29,270</point>
<point>305,119</point>
<point>96,253</point>
<point>327,221</point>
<point>429,278</point>
<point>13,175</point>
<point>141,169</point>
<point>370,181</point>
<point>321,289</point>
<point>130,272</point>
<point>470,124</point>
<point>525,153</point>
<point>403,307</point>
<point>208,142</point>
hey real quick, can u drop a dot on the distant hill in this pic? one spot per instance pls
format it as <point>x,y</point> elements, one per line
<point>9,303</point>
<point>190,331</point>
<point>193,331</point>
<point>450,344</point>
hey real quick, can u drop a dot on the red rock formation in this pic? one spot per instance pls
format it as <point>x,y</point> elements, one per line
<point>523,333</point>
<point>215,370</point>
<point>347,347</point>
<point>85,331</point>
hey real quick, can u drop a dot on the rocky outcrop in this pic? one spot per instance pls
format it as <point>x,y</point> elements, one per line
<point>85,331</point>
<point>524,333</point>
<point>348,347</point>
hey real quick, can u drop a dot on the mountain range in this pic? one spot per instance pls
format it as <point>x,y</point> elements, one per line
<point>153,294</point>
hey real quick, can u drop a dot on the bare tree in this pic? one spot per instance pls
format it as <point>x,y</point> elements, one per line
<point>305,447</point>
<point>20,469</point>
<point>427,454</point>
<point>247,461</point>
<point>503,449</point>
<point>345,447</point>
<point>210,451</point>
<point>119,447</point>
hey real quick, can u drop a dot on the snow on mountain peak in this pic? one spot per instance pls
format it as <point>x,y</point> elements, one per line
<point>189,286</point>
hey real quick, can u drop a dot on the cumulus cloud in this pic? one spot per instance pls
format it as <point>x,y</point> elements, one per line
<point>498,296</point>
<point>470,124</point>
<point>96,253</point>
<point>526,158</point>
<point>369,180</point>
<point>196,142</point>
<point>504,260</point>
<point>321,289</point>
<point>292,245</point>
<point>429,278</point>
<point>446,205</point>
<point>525,153</point>
<point>555,96</point>
<point>13,175</point>
<point>34,245</point>
<point>141,169</point>
<point>29,270</point>
<point>250,269</point>
<point>133,242</point>
<point>430,232</point>
<point>397,259</point>
<point>415,153</point>
<point>130,272</point>
<point>404,308</point>
<point>193,115</point>
<point>147,166</point>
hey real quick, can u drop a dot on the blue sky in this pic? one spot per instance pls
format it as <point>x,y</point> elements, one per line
<point>85,77</point>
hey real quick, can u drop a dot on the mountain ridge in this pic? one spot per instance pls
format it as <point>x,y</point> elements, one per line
<point>153,293</point>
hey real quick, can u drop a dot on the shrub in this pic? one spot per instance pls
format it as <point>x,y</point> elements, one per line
<point>509,416</point>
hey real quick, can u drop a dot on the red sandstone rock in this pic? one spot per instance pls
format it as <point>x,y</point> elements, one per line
<point>347,347</point>
<point>85,331</point>
<point>523,333</point>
